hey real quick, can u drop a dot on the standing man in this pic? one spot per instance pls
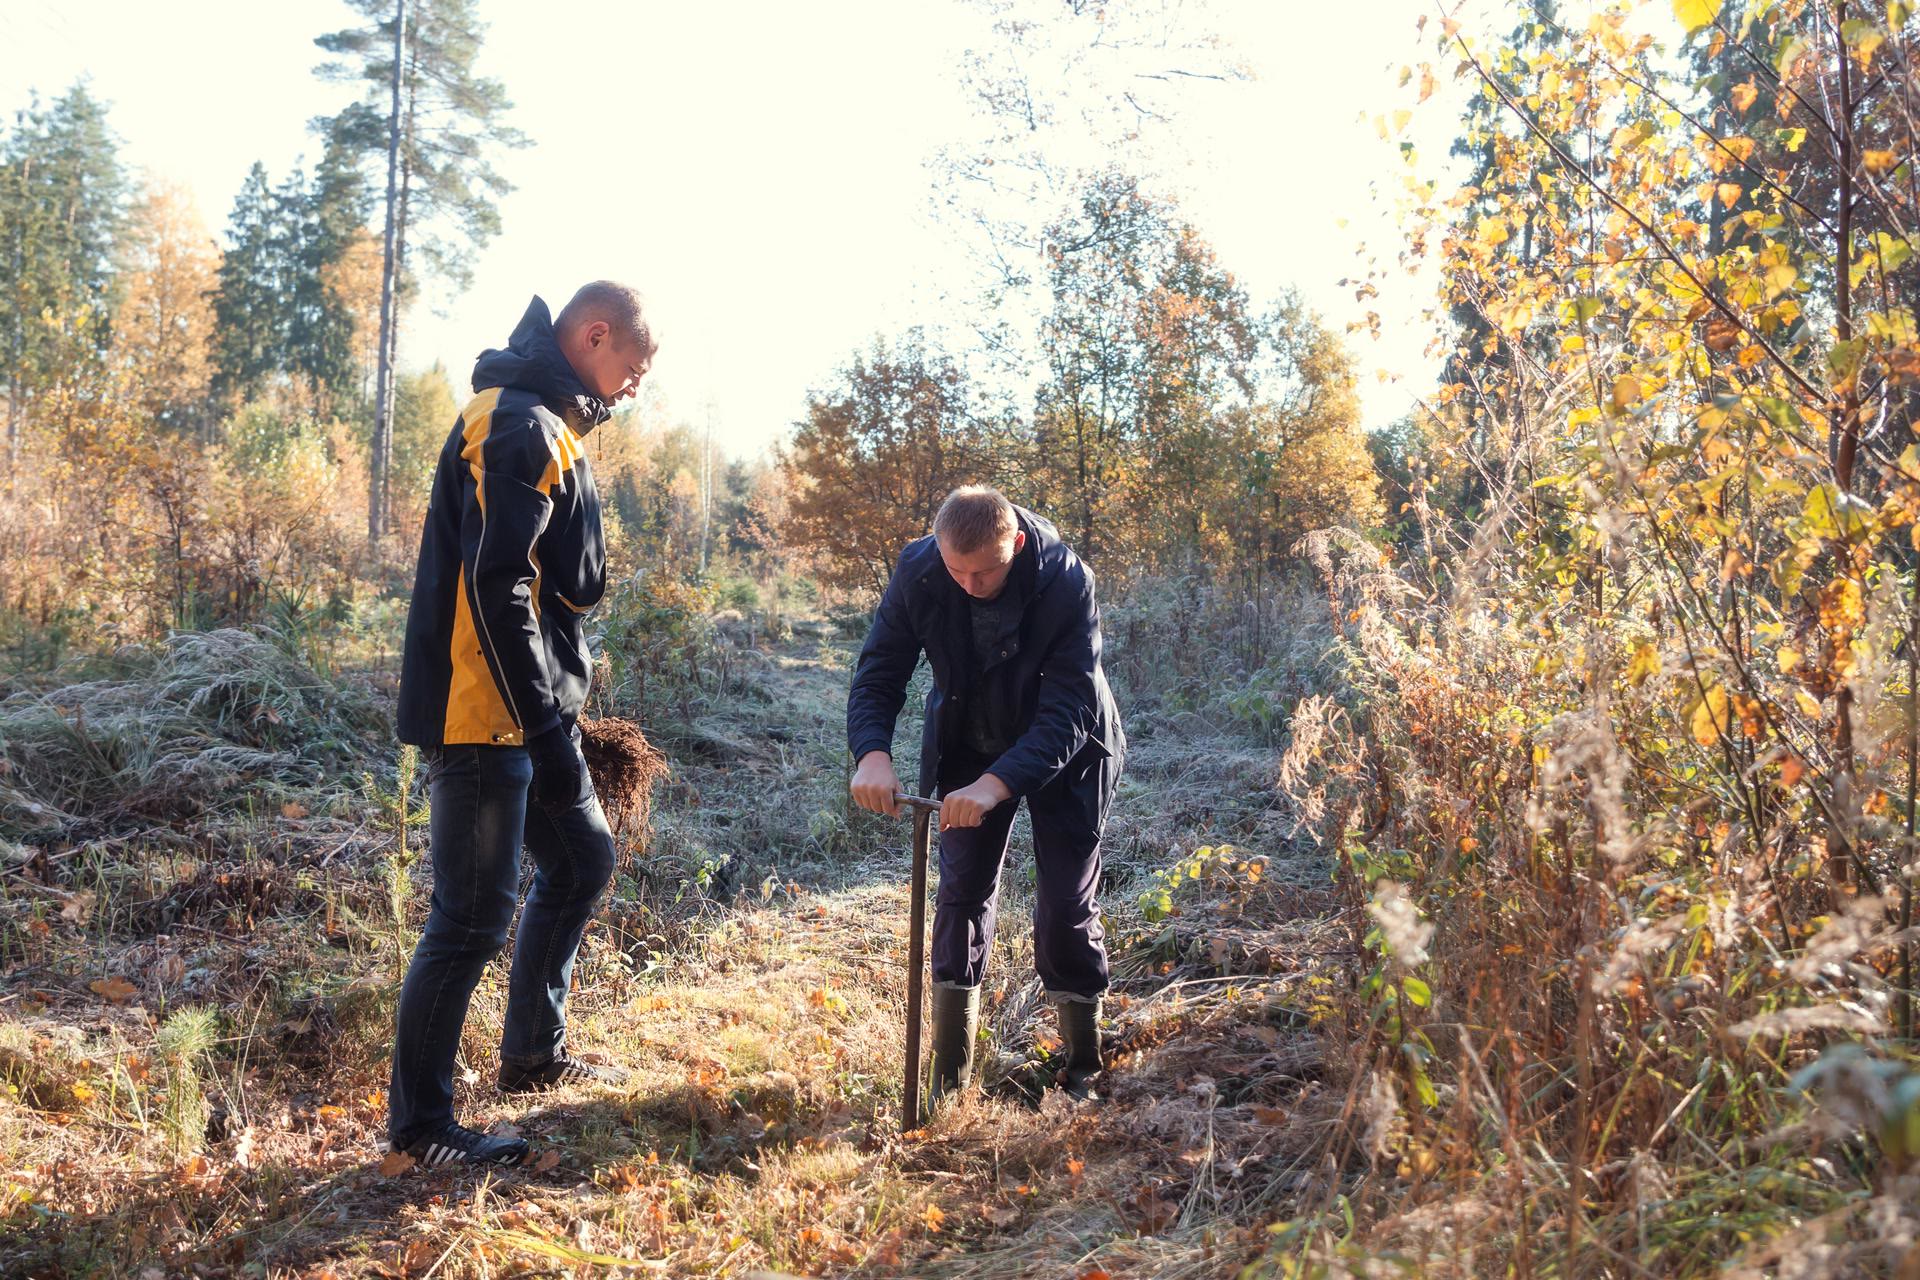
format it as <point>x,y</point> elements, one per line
<point>493,677</point>
<point>1005,613</point>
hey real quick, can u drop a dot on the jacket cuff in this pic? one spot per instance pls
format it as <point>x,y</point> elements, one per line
<point>871,742</point>
<point>549,718</point>
<point>1019,780</point>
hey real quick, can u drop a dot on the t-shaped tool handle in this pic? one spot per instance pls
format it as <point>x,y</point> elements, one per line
<point>920,803</point>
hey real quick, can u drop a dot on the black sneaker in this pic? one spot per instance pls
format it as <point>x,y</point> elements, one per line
<point>457,1144</point>
<point>561,1069</point>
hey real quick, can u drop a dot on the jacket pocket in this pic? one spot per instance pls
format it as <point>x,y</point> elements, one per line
<point>569,658</point>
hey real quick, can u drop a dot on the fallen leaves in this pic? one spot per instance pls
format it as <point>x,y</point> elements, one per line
<point>394,1163</point>
<point>413,1258</point>
<point>1153,1212</point>
<point>115,990</point>
<point>246,1149</point>
<point>626,1178</point>
<point>198,1172</point>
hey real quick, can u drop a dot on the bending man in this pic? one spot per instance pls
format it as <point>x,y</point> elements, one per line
<point>1020,708</point>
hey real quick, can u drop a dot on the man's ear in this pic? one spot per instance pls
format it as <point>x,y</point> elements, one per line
<point>1019,540</point>
<point>596,333</point>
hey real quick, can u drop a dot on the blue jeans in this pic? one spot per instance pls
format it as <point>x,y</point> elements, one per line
<point>481,818</point>
<point>1069,813</point>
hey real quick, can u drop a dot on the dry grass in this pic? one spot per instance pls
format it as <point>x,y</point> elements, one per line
<point>760,1129</point>
<point>750,974</point>
<point>204,726</point>
<point>1598,1033</point>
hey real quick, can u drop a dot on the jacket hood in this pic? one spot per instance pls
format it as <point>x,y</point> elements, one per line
<point>533,362</point>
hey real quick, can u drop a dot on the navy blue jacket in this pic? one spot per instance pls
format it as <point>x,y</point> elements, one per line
<point>511,555</point>
<point>1044,689</point>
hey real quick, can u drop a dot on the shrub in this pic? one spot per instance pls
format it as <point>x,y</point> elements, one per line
<point>182,729</point>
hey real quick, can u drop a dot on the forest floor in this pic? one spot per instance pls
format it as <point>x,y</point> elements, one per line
<point>748,968</point>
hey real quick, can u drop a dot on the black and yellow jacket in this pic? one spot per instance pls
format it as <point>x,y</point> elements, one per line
<point>511,558</point>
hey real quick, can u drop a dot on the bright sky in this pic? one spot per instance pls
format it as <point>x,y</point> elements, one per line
<point>760,167</point>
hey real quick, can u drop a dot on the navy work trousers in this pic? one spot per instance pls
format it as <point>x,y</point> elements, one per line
<point>481,818</point>
<point>1068,814</point>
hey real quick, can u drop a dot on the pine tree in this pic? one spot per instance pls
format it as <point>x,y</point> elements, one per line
<point>63,194</point>
<point>89,186</point>
<point>280,311</point>
<point>331,221</point>
<point>249,307</point>
<point>433,126</point>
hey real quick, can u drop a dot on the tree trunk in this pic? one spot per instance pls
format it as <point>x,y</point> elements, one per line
<point>13,420</point>
<point>16,384</point>
<point>706,490</point>
<point>1841,853</point>
<point>389,299</point>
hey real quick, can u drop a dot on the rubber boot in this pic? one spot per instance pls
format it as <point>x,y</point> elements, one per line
<point>956,1021</point>
<point>1080,1032</point>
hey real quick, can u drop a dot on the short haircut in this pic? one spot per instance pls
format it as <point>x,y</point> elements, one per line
<point>974,517</point>
<point>620,305</point>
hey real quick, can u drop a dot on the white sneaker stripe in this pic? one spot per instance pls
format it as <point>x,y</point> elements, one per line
<point>435,1153</point>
